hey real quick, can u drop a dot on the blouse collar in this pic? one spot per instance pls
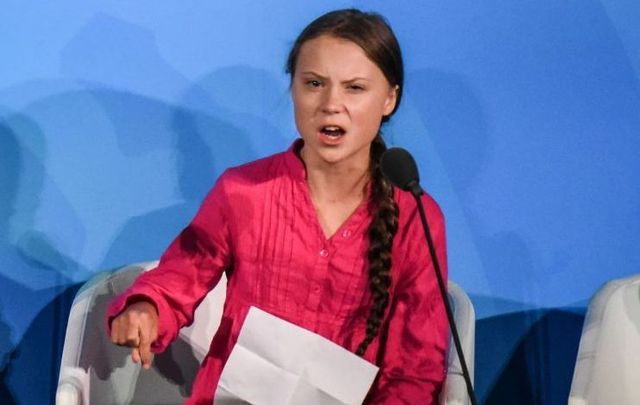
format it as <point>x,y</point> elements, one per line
<point>294,161</point>
<point>297,169</point>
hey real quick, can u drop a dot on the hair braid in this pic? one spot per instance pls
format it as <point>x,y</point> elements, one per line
<point>381,233</point>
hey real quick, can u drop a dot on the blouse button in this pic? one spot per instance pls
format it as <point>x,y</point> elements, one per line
<point>324,253</point>
<point>346,233</point>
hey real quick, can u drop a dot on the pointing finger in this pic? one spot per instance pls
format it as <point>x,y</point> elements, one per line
<point>145,349</point>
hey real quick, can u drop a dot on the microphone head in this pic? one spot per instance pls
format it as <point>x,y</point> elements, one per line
<point>398,166</point>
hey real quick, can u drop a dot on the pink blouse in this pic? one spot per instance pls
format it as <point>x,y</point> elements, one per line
<point>259,224</point>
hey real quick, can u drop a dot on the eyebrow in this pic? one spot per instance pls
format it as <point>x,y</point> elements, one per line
<point>310,72</point>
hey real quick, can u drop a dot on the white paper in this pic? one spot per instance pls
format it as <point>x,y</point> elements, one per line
<point>275,362</point>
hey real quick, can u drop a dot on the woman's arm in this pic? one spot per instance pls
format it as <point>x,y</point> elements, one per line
<point>188,270</point>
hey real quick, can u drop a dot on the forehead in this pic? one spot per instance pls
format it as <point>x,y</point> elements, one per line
<point>328,55</point>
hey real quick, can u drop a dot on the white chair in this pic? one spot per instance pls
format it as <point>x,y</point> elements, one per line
<point>95,371</point>
<point>607,368</point>
<point>454,391</point>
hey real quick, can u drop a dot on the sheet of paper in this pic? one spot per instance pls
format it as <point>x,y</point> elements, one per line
<point>275,362</point>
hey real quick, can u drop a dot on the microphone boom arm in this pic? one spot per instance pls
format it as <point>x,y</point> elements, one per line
<point>416,191</point>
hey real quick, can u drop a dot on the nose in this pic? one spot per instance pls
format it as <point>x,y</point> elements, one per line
<point>332,101</point>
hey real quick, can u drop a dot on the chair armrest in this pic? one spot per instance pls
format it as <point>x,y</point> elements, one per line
<point>68,394</point>
<point>73,387</point>
<point>455,391</point>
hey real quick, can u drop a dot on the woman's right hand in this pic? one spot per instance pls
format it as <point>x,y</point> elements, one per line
<point>137,327</point>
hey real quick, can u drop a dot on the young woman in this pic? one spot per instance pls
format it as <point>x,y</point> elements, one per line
<point>314,235</point>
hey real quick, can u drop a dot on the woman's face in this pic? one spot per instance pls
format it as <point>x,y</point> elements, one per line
<point>339,98</point>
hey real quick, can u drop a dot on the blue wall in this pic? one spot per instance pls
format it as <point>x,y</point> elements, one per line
<point>116,117</point>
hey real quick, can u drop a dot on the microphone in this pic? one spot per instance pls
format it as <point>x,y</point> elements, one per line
<point>399,167</point>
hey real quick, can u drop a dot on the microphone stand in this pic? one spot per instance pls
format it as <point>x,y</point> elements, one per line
<point>416,191</point>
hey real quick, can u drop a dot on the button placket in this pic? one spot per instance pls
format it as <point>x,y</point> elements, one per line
<point>314,296</point>
<point>315,289</point>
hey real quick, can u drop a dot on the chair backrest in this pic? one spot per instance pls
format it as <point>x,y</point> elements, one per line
<point>454,391</point>
<point>607,366</point>
<point>93,370</point>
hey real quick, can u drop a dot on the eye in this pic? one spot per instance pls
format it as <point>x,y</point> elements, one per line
<point>313,83</point>
<point>356,87</point>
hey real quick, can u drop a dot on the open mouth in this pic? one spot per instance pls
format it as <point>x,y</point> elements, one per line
<point>332,131</point>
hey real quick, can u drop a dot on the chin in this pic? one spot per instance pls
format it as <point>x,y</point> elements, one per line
<point>332,158</point>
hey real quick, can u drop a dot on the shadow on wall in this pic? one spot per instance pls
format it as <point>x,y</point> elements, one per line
<point>22,178</point>
<point>139,123</point>
<point>192,134</point>
<point>525,356</point>
<point>557,140</point>
<point>452,112</point>
<point>6,357</point>
<point>454,116</point>
<point>215,125</point>
<point>254,100</point>
<point>540,349</point>
<point>206,138</point>
<point>33,311</point>
<point>204,147</point>
<point>31,375</point>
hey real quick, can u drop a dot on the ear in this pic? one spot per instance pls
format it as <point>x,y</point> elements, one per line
<point>391,100</point>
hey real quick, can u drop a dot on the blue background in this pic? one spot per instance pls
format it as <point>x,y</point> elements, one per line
<point>116,117</point>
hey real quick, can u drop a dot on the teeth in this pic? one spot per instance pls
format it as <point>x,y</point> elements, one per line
<point>333,130</point>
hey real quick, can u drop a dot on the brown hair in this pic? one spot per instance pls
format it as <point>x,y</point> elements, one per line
<point>373,34</point>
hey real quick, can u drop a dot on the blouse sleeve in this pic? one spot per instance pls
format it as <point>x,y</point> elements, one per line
<point>412,367</point>
<point>190,267</point>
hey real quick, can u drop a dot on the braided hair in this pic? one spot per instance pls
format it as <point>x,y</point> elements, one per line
<point>373,34</point>
<point>381,233</point>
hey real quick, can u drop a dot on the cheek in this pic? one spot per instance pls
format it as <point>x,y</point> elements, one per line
<point>298,107</point>
<point>368,112</point>
<point>302,105</point>
<point>303,115</point>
